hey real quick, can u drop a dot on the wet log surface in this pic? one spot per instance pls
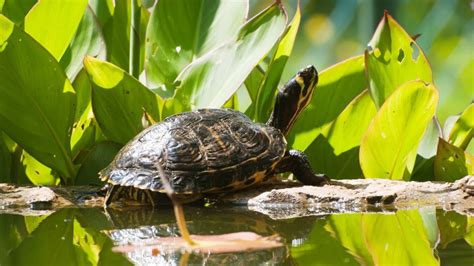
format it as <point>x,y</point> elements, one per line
<point>279,200</point>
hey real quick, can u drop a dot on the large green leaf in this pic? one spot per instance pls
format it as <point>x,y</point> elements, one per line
<point>392,59</point>
<point>463,130</point>
<point>337,87</point>
<point>119,100</point>
<point>88,40</point>
<point>336,151</point>
<point>269,85</point>
<point>194,28</point>
<point>53,23</point>
<point>212,79</point>
<point>32,95</point>
<point>452,163</point>
<point>388,148</point>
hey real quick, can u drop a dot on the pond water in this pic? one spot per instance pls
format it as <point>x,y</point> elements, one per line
<point>86,236</point>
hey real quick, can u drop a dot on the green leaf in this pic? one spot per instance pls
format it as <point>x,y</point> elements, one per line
<point>452,226</point>
<point>117,34</point>
<point>388,148</point>
<point>463,130</point>
<point>119,100</point>
<point>452,163</point>
<point>103,10</point>
<point>195,28</point>
<point>16,10</point>
<point>5,161</point>
<point>212,79</point>
<point>335,152</point>
<point>84,128</point>
<point>33,93</point>
<point>54,23</point>
<point>88,40</point>
<point>320,241</point>
<point>38,173</point>
<point>252,83</point>
<point>424,163</point>
<point>97,159</point>
<point>392,59</point>
<point>338,86</point>
<point>269,85</point>
<point>400,239</point>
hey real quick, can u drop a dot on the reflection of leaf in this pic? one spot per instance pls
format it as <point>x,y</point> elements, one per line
<point>452,226</point>
<point>12,232</point>
<point>321,248</point>
<point>393,58</point>
<point>452,163</point>
<point>49,244</point>
<point>399,239</point>
<point>389,146</point>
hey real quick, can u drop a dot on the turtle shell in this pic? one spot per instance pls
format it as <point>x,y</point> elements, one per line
<point>205,151</point>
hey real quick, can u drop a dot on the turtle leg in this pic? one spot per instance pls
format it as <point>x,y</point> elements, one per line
<point>297,163</point>
<point>113,193</point>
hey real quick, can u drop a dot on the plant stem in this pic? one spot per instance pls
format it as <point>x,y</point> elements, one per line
<point>134,51</point>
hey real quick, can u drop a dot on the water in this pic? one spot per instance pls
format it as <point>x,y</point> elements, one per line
<point>86,237</point>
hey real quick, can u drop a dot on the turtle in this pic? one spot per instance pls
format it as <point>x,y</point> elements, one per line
<point>210,151</point>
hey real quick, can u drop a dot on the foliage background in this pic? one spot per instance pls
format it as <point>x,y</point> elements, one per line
<point>79,79</point>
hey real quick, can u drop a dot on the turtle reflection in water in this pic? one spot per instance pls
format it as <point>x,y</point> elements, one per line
<point>212,151</point>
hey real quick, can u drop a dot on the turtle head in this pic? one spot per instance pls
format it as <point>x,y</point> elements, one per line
<point>293,98</point>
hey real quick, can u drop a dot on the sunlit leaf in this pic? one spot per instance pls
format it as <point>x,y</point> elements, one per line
<point>463,130</point>
<point>338,86</point>
<point>389,146</point>
<point>97,159</point>
<point>452,163</point>
<point>194,28</point>
<point>88,40</point>
<point>53,23</point>
<point>212,79</point>
<point>119,100</point>
<point>336,151</point>
<point>33,93</point>
<point>392,59</point>
<point>38,173</point>
<point>269,85</point>
<point>32,222</point>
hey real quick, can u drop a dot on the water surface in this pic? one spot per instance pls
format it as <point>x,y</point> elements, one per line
<point>86,236</point>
